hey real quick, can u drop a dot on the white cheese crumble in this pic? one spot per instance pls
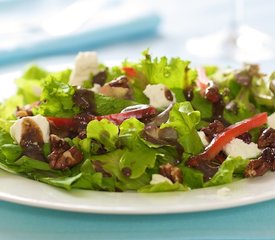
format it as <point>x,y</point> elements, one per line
<point>203,138</point>
<point>157,178</point>
<point>85,64</point>
<point>96,88</point>
<point>42,122</point>
<point>271,120</point>
<point>238,148</point>
<point>156,95</point>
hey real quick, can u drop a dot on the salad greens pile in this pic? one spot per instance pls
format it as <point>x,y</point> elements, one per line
<point>120,150</point>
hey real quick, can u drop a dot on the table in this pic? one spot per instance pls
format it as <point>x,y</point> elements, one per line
<point>249,222</point>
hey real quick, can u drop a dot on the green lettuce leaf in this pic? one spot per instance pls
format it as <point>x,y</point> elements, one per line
<point>108,105</point>
<point>137,156</point>
<point>103,131</point>
<point>93,180</point>
<point>111,164</point>
<point>163,187</point>
<point>29,85</point>
<point>184,120</point>
<point>8,107</point>
<point>244,108</point>
<point>174,73</point>
<point>11,152</point>
<point>57,97</point>
<point>192,177</point>
<point>227,170</point>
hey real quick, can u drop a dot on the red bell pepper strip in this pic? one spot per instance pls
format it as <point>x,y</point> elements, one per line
<point>231,132</point>
<point>129,71</point>
<point>202,81</point>
<point>63,122</point>
<point>139,113</point>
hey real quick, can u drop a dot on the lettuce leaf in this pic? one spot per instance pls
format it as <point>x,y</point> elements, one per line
<point>92,180</point>
<point>111,164</point>
<point>57,97</point>
<point>192,177</point>
<point>103,131</point>
<point>108,105</point>
<point>184,120</point>
<point>29,85</point>
<point>8,107</point>
<point>137,156</point>
<point>227,171</point>
<point>174,73</point>
<point>163,187</point>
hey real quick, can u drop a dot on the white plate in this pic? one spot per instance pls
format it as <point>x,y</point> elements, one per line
<point>25,191</point>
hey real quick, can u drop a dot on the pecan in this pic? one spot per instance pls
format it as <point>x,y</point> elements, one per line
<point>26,110</point>
<point>58,144</point>
<point>171,172</point>
<point>260,166</point>
<point>213,129</point>
<point>267,138</point>
<point>65,160</point>
<point>63,156</point>
<point>268,155</point>
<point>23,111</point>
<point>256,167</point>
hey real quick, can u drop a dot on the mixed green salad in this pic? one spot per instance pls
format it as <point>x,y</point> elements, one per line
<point>154,125</point>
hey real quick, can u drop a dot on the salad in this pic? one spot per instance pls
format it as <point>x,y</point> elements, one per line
<point>154,125</point>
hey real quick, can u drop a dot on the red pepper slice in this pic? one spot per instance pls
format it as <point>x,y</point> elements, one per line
<point>138,111</point>
<point>129,71</point>
<point>202,81</point>
<point>63,122</point>
<point>231,132</point>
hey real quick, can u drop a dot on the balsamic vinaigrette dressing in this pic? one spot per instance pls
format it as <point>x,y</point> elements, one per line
<point>32,140</point>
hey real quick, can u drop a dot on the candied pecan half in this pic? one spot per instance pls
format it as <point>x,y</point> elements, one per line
<point>268,155</point>
<point>213,129</point>
<point>58,144</point>
<point>264,163</point>
<point>256,167</point>
<point>26,110</point>
<point>171,172</point>
<point>63,156</point>
<point>23,112</point>
<point>267,138</point>
<point>66,159</point>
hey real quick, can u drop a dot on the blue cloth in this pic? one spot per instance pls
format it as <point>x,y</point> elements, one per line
<point>26,223</point>
<point>145,26</point>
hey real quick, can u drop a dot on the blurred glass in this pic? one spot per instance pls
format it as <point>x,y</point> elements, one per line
<point>238,41</point>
